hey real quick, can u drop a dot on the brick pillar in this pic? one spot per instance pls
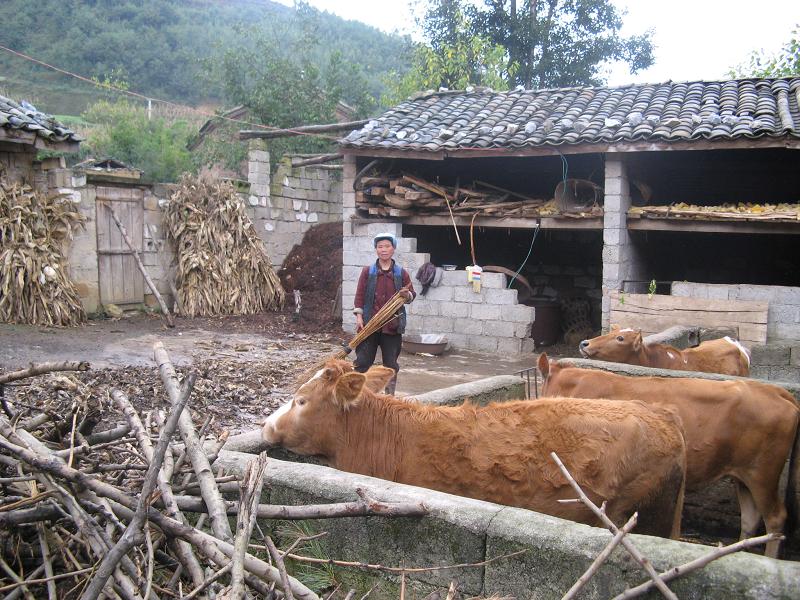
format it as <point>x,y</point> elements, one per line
<point>258,173</point>
<point>621,259</point>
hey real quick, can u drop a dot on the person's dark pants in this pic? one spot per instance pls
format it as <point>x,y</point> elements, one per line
<point>390,351</point>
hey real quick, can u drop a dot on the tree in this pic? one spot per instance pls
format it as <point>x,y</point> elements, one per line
<point>454,56</point>
<point>123,131</point>
<point>785,63</point>
<point>556,43</point>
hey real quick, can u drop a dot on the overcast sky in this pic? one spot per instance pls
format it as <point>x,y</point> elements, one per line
<point>694,39</point>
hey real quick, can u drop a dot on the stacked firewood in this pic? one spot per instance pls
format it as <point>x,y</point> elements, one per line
<point>403,195</point>
<point>95,499</point>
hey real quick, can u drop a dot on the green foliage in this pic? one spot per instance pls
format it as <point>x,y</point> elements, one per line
<point>454,57</point>
<point>547,43</point>
<point>785,63</point>
<point>651,288</point>
<point>160,47</point>
<point>123,131</point>
<point>274,74</point>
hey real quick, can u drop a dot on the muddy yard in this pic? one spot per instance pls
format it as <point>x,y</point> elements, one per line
<point>247,366</point>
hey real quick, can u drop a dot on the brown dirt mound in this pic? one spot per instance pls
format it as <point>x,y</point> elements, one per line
<point>314,267</point>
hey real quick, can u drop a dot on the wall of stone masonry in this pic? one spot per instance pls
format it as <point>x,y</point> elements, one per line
<point>779,359</point>
<point>621,261</point>
<point>486,321</point>
<point>16,162</point>
<point>286,203</point>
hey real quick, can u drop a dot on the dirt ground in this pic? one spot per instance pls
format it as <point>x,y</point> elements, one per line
<point>247,365</point>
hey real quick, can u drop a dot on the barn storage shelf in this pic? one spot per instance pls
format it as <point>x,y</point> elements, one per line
<point>750,218</point>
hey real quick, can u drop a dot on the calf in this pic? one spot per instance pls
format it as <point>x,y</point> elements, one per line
<point>623,453</point>
<point>745,429</point>
<point>726,356</point>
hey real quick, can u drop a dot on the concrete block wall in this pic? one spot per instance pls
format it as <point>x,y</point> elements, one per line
<point>621,260</point>
<point>286,203</point>
<point>779,359</point>
<point>485,321</point>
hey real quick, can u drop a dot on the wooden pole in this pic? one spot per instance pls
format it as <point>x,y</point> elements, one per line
<point>249,134</point>
<point>316,160</point>
<point>150,284</point>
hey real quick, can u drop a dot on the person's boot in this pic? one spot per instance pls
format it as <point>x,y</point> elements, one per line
<point>389,390</point>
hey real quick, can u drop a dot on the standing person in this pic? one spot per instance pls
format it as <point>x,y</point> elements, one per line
<point>376,285</point>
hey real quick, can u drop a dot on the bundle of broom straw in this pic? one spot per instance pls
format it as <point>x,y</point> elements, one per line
<point>387,312</point>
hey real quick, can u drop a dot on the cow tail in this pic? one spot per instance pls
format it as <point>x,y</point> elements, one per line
<point>792,499</point>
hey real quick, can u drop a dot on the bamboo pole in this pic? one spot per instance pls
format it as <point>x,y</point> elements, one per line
<point>164,309</point>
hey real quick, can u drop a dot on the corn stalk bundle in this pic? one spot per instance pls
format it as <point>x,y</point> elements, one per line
<point>35,287</point>
<point>223,266</point>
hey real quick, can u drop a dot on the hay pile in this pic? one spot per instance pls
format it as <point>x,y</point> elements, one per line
<point>223,266</point>
<point>35,287</point>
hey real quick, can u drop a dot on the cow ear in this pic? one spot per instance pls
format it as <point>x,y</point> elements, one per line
<point>638,342</point>
<point>377,378</point>
<point>349,388</point>
<point>614,327</point>
<point>544,364</point>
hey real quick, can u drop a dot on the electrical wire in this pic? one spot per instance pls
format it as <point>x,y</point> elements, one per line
<point>139,96</point>
<point>522,266</point>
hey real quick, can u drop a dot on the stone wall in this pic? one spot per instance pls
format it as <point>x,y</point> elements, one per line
<point>779,359</point>
<point>286,203</point>
<point>460,530</point>
<point>16,162</point>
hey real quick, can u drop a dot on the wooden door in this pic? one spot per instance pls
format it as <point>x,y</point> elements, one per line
<point>121,282</point>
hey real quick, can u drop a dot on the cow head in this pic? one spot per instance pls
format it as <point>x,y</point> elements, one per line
<point>308,423</point>
<point>618,345</point>
<point>550,370</point>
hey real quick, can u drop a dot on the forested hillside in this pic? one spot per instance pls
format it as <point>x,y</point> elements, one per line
<point>165,48</point>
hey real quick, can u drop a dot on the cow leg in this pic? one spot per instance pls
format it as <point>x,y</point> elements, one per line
<point>750,517</point>
<point>762,500</point>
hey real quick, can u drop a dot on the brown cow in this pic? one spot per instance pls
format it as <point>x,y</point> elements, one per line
<point>623,453</point>
<point>744,429</point>
<point>726,355</point>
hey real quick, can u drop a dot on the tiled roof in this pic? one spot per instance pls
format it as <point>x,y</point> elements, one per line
<point>667,112</point>
<point>24,117</point>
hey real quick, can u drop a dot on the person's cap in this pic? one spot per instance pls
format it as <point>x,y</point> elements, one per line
<point>384,236</point>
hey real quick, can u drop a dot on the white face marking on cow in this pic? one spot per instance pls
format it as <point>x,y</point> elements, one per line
<point>272,420</point>
<point>626,330</point>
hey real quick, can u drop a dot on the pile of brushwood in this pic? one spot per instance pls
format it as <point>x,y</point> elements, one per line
<point>95,497</point>
<point>35,287</point>
<point>223,266</point>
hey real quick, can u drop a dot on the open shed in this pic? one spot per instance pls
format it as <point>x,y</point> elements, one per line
<point>585,192</point>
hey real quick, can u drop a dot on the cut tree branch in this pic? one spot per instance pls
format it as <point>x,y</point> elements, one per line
<point>249,134</point>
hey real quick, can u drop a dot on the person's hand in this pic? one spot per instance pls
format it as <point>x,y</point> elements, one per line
<point>359,323</point>
<point>406,295</point>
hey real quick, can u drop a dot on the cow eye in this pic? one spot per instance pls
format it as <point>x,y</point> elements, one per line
<point>300,401</point>
<point>620,338</point>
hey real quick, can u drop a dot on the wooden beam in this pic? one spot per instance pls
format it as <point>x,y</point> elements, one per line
<point>316,160</point>
<point>594,223</point>
<point>769,227</point>
<point>269,134</point>
<point>598,148</point>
